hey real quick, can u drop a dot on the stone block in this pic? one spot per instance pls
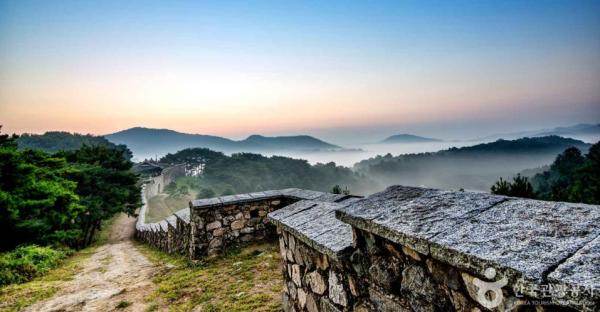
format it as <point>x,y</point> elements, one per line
<point>218,232</point>
<point>327,306</point>
<point>296,275</point>
<point>215,243</point>
<point>301,298</point>
<point>416,281</point>
<point>247,230</point>
<point>311,303</point>
<point>386,272</point>
<point>213,225</point>
<point>237,225</point>
<point>316,282</point>
<point>337,291</point>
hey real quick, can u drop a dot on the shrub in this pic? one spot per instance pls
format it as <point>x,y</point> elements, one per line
<point>26,262</point>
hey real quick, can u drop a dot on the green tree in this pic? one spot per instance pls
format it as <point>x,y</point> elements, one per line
<point>336,189</point>
<point>519,187</point>
<point>106,185</point>
<point>37,201</point>
<point>501,187</point>
<point>206,193</point>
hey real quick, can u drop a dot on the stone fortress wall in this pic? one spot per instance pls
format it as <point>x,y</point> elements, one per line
<point>157,184</point>
<point>404,249</point>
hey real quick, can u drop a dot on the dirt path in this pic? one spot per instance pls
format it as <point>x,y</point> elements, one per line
<point>116,273</point>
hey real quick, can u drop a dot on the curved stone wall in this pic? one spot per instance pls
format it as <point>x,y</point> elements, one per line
<point>404,249</point>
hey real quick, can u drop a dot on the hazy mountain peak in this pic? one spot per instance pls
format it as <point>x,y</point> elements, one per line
<point>151,142</point>
<point>408,138</point>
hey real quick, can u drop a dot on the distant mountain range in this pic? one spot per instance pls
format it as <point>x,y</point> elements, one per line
<point>579,131</point>
<point>473,167</point>
<point>148,142</point>
<point>408,138</point>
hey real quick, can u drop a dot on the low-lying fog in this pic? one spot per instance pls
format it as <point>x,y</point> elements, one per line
<point>354,154</point>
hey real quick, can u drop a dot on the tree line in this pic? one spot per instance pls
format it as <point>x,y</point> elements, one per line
<point>247,172</point>
<point>572,177</point>
<point>62,198</point>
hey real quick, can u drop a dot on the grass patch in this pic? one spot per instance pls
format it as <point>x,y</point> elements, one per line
<point>248,279</point>
<point>26,262</point>
<point>163,205</point>
<point>123,304</point>
<point>15,297</point>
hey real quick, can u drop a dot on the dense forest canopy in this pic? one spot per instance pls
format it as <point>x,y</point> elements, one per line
<point>572,177</point>
<point>473,167</point>
<point>56,141</point>
<point>62,198</point>
<point>246,172</point>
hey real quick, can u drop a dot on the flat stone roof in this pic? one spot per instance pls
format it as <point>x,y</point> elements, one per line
<point>529,241</point>
<point>294,193</point>
<point>314,223</point>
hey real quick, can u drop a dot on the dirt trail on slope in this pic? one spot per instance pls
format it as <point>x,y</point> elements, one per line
<point>116,272</point>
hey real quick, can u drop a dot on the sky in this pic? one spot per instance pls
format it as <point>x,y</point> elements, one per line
<point>337,69</point>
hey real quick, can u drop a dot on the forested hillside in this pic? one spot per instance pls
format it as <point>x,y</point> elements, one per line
<point>55,141</point>
<point>472,167</point>
<point>57,200</point>
<point>572,177</point>
<point>245,172</point>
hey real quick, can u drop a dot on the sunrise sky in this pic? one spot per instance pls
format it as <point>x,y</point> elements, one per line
<point>233,68</point>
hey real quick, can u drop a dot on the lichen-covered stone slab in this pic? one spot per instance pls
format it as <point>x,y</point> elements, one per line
<point>206,203</point>
<point>580,272</point>
<point>172,221</point>
<point>273,193</point>
<point>412,216</point>
<point>163,225</point>
<point>330,197</point>
<point>278,216</point>
<point>302,194</point>
<point>581,269</point>
<point>525,238</point>
<point>314,223</point>
<point>335,242</point>
<point>183,214</point>
<point>236,199</point>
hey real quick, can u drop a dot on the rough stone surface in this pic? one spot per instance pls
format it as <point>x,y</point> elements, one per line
<point>404,249</point>
<point>213,225</point>
<point>386,272</point>
<point>311,303</point>
<point>296,277</point>
<point>414,280</point>
<point>412,216</point>
<point>581,271</point>
<point>301,297</point>
<point>316,282</point>
<point>315,223</point>
<point>520,237</point>
<point>327,306</point>
<point>387,303</point>
<point>337,292</point>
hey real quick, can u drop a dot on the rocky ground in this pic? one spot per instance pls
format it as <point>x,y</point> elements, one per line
<point>116,276</point>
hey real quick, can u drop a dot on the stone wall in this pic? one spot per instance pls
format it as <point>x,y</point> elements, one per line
<point>157,184</point>
<point>314,251</point>
<point>220,222</point>
<point>171,235</point>
<point>216,228</point>
<point>392,252</point>
<point>211,225</point>
<point>405,249</point>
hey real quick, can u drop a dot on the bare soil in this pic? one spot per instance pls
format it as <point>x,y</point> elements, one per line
<point>116,277</point>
